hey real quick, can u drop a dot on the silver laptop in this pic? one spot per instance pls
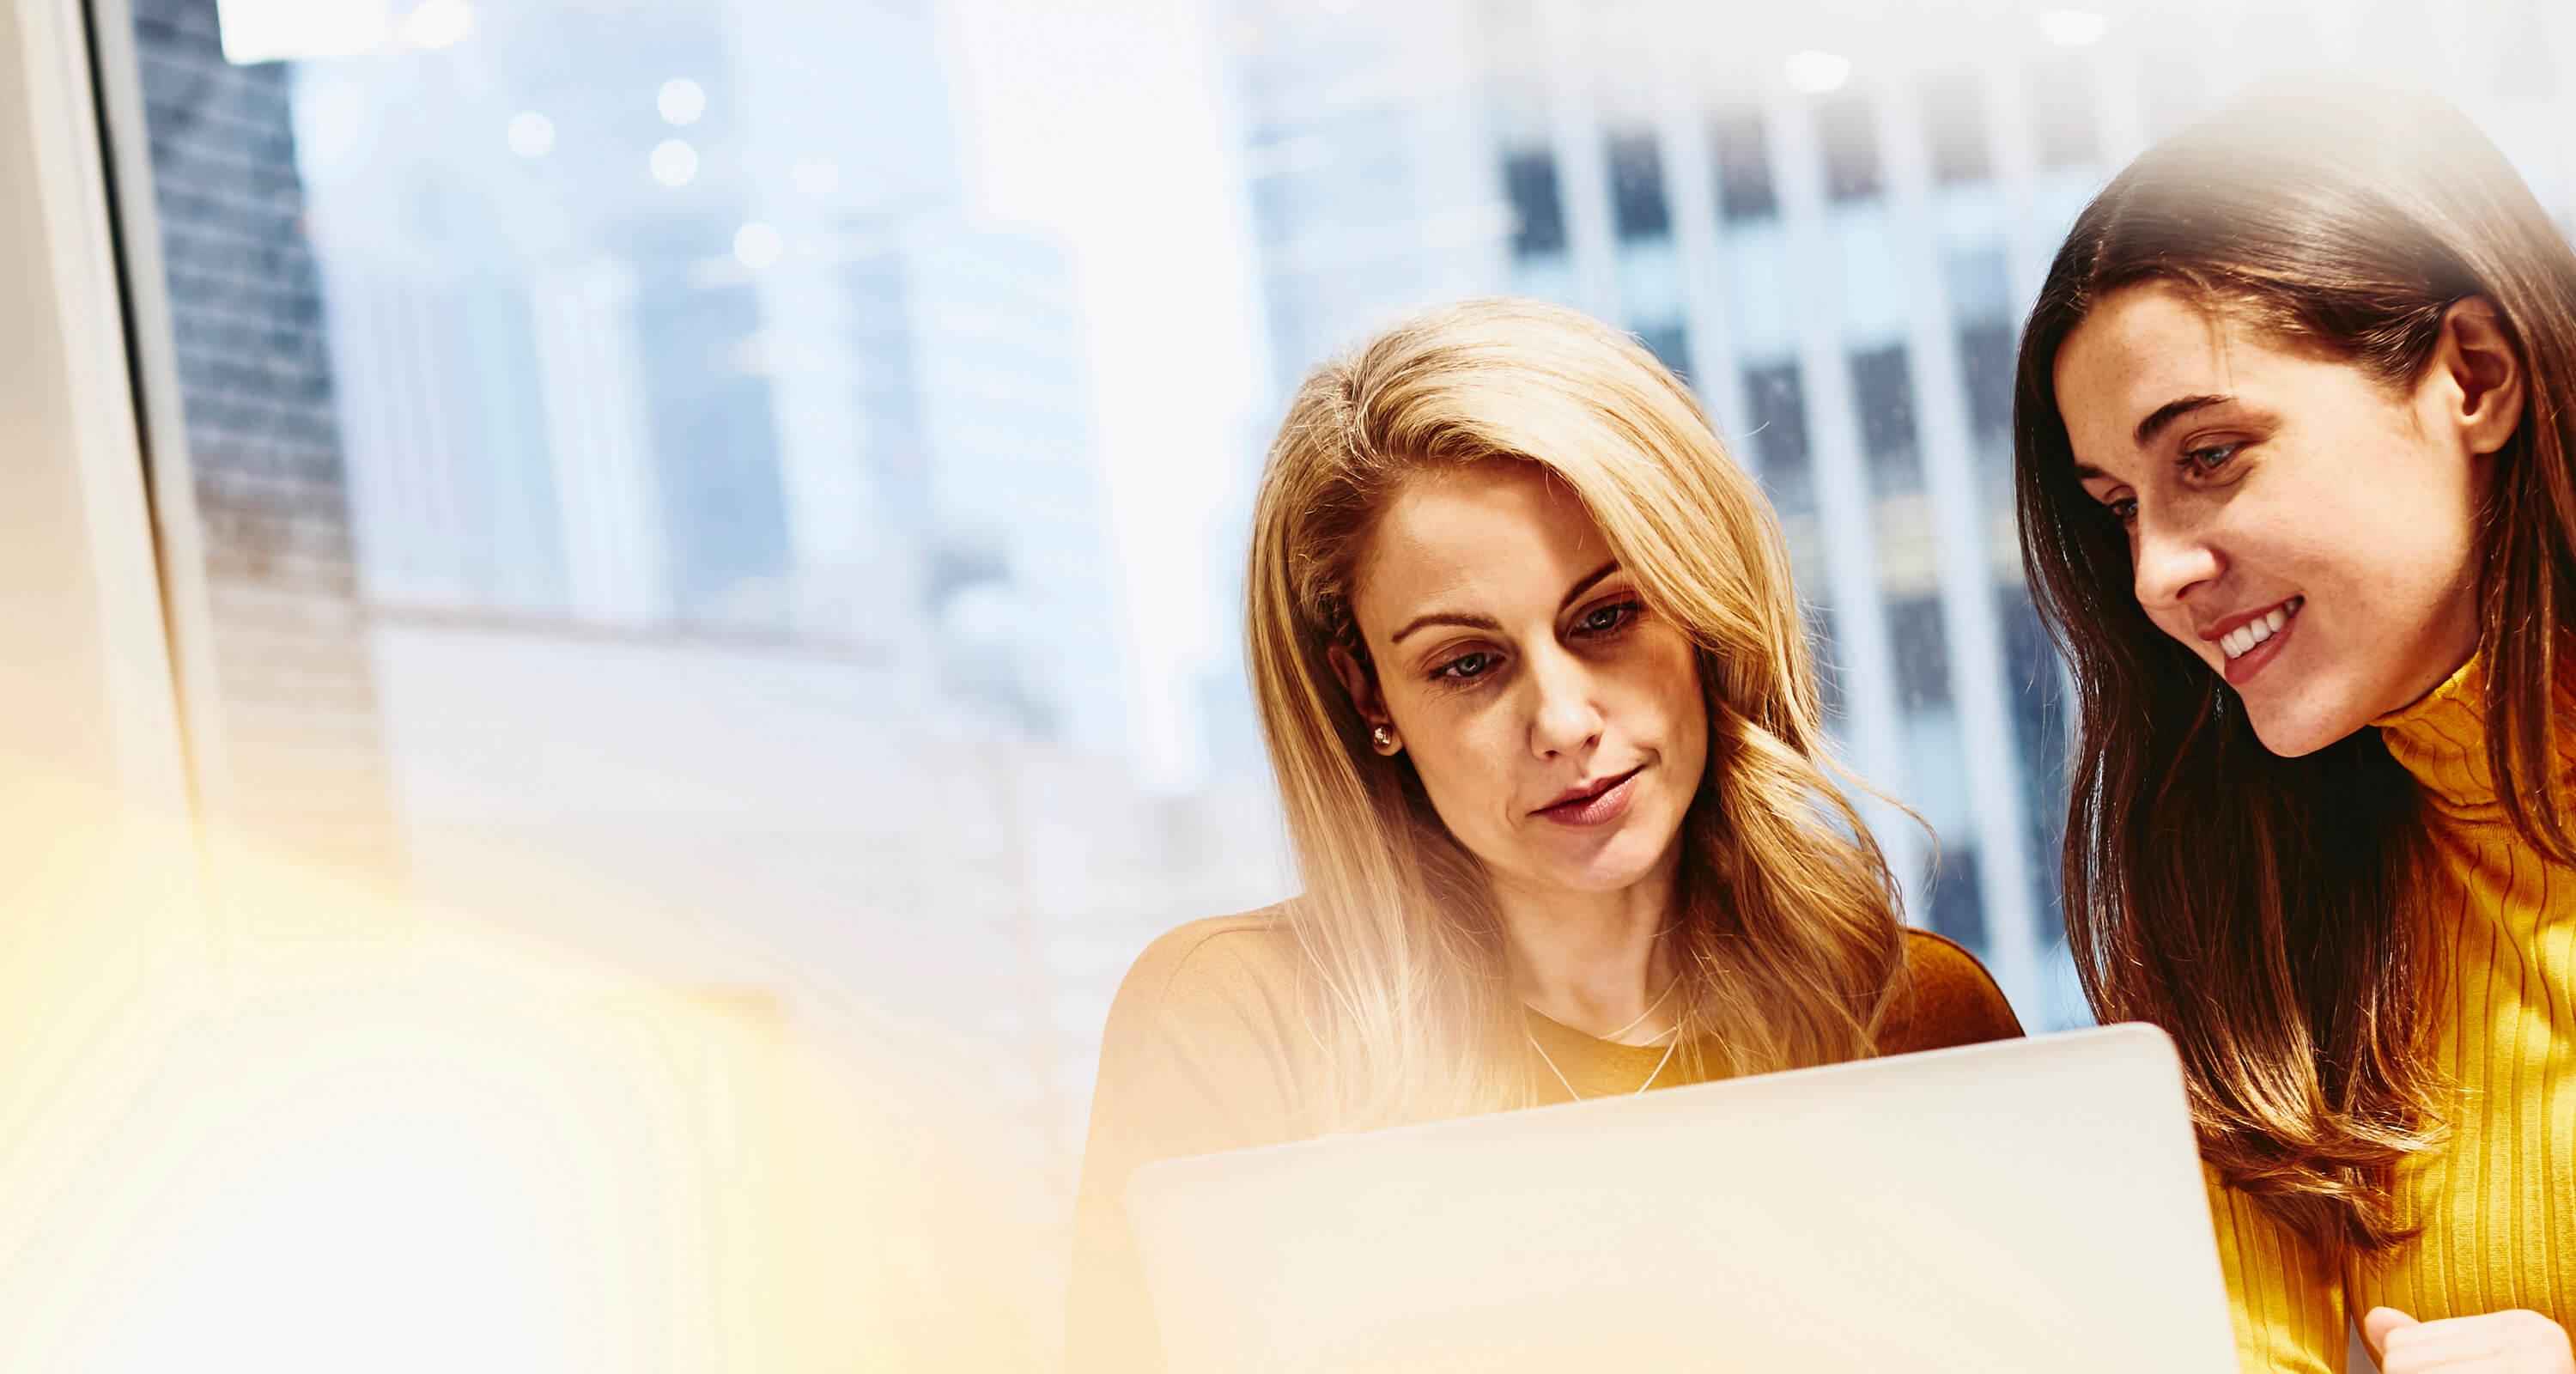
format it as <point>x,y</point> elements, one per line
<point>2032,1205</point>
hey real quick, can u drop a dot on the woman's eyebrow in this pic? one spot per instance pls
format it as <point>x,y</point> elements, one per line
<point>1479,622</point>
<point>1586,584</point>
<point>2164,415</point>
<point>1472,622</point>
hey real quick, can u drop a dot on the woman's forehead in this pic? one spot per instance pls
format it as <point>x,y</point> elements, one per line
<point>2143,340</point>
<point>1485,530</point>
<point>2149,354</point>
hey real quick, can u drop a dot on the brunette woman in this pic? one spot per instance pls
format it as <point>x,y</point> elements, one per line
<point>2293,447</point>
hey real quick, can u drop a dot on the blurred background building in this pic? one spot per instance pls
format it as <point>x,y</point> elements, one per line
<point>1829,219</point>
<point>751,495</point>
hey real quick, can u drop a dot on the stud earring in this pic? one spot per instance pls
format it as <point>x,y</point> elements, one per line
<point>1384,738</point>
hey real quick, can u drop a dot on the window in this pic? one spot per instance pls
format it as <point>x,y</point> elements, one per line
<point>1958,906</point>
<point>1978,281</point>
<point>1637,203</point>
<point>1885,394</point>
<point>1538,216</point>
<point>1743,166</point>
<point>1922,652</point>
<point>1843,125</point>
<point>1988,357</point>
<point>1778,406</point>
<point>1670,344</point>
<point>2040,736</point>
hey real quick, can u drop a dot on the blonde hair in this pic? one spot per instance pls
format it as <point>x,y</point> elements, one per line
<point>1786,933</point>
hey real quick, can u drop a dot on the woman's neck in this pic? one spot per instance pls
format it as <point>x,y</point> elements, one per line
<point>1594,961</point>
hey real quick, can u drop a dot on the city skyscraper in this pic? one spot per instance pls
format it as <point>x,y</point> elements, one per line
<point>698,333</point>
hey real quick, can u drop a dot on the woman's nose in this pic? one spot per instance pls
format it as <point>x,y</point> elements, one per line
<point>1566,715</point>
<point>2170,560</point>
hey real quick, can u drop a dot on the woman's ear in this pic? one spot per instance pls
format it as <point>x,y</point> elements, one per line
<point>2486,380</point>
<point>1352,667</point>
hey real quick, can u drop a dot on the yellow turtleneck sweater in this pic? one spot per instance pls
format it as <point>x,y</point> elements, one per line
<point>2497,1205</point>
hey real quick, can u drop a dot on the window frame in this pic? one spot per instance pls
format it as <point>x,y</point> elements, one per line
<point>77,501</point>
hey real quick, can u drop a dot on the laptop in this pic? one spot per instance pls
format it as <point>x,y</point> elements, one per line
<point>2025,1206</point>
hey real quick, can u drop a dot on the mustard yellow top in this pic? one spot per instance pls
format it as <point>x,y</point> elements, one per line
<point>2497,1205</point>
<point>1205,1052</point>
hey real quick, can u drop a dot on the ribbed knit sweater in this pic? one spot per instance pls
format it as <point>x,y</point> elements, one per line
<point>2497,1204</point>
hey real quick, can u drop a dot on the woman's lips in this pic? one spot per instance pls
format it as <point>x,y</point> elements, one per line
<point>2241,669</point>
<point>1600,808</point>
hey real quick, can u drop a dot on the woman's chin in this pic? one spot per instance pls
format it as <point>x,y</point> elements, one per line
<point>2296,730</point>
<point>1621,864</point>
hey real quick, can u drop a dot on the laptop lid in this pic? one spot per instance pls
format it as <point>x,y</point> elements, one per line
<point>2033,1205</point>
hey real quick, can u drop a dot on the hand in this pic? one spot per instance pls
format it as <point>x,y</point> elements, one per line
<point>2497,1343</point>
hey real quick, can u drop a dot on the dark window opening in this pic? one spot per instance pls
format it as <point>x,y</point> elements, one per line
<point>1986,364</point>
<point>1538,212</point>
<point>1885,394</point>
<point>1958,900</point>
<point>1743,168</point>
<point>1850,146</point>
<point>1778,405</point>
<point>1637,205</point>
<point>1922,651</point>
<point>1670,344</point>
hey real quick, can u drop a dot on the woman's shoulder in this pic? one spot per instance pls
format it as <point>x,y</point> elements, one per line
<point>1949,999</point>
<point>1216,955</point>
<point>1205,1048</point>
<point>1212,975</point>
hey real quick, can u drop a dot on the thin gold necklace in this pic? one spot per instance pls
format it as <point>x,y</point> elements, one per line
<point>1550,1061</point>
<point>1651,1007</point>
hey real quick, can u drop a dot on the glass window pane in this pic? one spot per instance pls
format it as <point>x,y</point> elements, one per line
<point>1884,392</point>
<point>1779,411</point>
<point>1922,653</point>
<point>1743,166</point>
<point>1538,217</point>
<point>1637,203</point>
<point>1850,144</point>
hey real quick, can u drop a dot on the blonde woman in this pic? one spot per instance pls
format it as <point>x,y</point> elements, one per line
<point>1546,733</point>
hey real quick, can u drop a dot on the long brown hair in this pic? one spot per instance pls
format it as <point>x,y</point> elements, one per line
<point>1787,934</point>
<point>2261,909</point>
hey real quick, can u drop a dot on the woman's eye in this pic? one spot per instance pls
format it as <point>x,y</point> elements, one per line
<point>1608,618</point>
<point>2123,510</point>
<point>2205,461</point>
<point>1466,667</point>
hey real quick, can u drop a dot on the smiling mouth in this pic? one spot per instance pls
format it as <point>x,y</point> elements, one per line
<point>2242,640</point>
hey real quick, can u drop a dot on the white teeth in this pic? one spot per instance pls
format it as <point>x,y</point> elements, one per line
<point>2238,642</point>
